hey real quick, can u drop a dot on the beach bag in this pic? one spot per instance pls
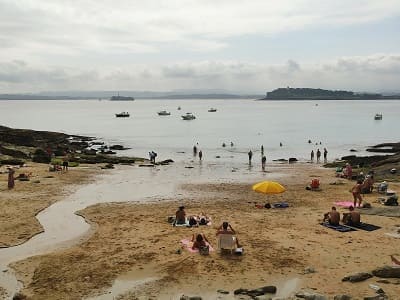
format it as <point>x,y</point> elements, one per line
<point>391,201</point>
<point>192,221</point>
<point>204,250</point>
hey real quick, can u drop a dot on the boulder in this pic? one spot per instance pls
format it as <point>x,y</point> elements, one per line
<point>357,277</point>
<point>118,147</point>
<point>292,159</point>
<point>12,161</point>
<point>342,297</point>
<point>310,296</point>
<point>387,272</point>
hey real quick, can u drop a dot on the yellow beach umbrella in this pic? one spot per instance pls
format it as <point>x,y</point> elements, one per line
<point>268,187</point>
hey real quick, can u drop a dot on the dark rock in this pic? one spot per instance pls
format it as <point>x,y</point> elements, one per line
<point>184,297</point>
<point>342,297</point>
<point>280,159</point>
<point>146,165</point>
<point>108,166</point>
<point>108,152</point>
<point>387,272</point>
<point>89,151</point>
<point>357,277</point>
<point>383,281</point>
<point>240,291</point>
<point>292,159</point>
<point>268,289</point>
<point>165,162</point>
<point>353,150</point>
<point>223,292</point>
<point>310,296</point>
<point>377,297</point>
<point>118,147</point>
<point>19,296</point>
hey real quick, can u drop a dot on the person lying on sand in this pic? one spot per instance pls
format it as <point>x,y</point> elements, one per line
<point>352,218</point>
<point>333,217</point>
<point>226,228</point>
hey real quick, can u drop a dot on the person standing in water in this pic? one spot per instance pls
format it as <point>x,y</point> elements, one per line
<point>263,161</point>
<point>312,155</point>
<point>250,156</point>
<point>318,156</point>
<point>200,155</point>
<point>325,155</point>
<point>194,150</point>
<point>262,149</point>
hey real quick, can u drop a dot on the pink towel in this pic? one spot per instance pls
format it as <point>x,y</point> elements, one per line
<point>345,203</point>
<point>188,245</point>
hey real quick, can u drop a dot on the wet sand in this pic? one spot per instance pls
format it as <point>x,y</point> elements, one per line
<point>134,241</point>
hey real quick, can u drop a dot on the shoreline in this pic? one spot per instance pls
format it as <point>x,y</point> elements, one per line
<point>114,240</point>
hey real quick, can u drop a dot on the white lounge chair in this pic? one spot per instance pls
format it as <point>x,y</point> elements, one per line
<point>226,242</point>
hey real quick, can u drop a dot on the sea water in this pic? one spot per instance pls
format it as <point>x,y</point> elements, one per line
<point>336,125</point>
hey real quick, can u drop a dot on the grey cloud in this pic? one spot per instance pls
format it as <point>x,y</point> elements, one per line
<point>367,73</point>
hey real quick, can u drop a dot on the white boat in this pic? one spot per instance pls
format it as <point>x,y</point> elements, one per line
<point>378,117</point>
<point>188,116</point>
<point>212,109</point>
<point>123,114</point>
<point>164,113</point>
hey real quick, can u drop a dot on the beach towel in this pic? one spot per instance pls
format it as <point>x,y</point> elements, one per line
<point>280,205</point>
<point>340,228</point>
<point>345,204</point>
<point>188,245</point>
<point>186,224</point>
<point>365,226</point>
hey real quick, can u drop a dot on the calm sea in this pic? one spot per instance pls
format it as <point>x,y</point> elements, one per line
<point>338,125</point>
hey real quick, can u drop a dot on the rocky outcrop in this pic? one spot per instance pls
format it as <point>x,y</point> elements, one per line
<point>387,272</point>
<point>357,277</point>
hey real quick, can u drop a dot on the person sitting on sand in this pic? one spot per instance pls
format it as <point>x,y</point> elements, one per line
<point>348,171</point>
<point>200,241</point>
<point>368,185</point>
<point>356,191</point>
<point>352,218</point>
<point>226,228</point>
<point>180,215</point>
<point>333,217</point>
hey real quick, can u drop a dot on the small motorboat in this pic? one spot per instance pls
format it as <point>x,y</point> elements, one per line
<point>188,116</point>
<point>378,117</point>
<point>212,109</point>
<point>123,114</point>
<point>164,113</point>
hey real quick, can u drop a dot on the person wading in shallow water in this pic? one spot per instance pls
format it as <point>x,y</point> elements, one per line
<point>250,156</point>
<point>200,155</point>
<point>263,161</point>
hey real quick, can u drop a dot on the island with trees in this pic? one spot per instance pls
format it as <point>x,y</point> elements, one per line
<point>320,94</point>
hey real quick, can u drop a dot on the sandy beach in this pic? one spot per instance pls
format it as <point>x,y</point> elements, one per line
<point>133,241</point>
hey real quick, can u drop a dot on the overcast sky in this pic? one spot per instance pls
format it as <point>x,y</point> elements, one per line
<point>241,46</point>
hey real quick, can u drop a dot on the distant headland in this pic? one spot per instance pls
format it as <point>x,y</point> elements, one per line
<point>320,94</point>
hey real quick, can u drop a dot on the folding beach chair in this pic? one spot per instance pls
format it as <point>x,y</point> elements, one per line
<point>226,242</point>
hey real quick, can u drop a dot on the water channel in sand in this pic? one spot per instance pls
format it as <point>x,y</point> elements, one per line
<point>63,228</point>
